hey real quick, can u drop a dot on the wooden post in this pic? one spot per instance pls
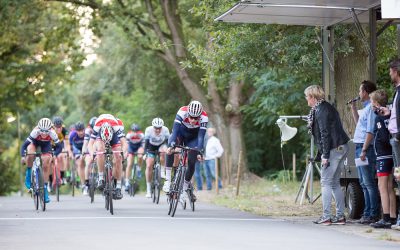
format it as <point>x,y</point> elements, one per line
<point>294,167</point>
<point>216,176</point>
<point>239,172</point>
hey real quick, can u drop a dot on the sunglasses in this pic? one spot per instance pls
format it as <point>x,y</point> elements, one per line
<point>44,131</point>
<point>194,118</point>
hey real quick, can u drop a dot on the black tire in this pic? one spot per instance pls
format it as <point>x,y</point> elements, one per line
<point>35,191</point>
<point>92,187</point>
<point>354,200</point>
<point>191,201</point>
<point>41,190</point>
<point>110,197</point>
<point>73,181</point>
<point>157,191</point>
<point>177,190</point>
<point>57,186</point>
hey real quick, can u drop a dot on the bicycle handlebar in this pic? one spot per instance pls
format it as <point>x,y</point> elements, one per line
<point>187,148</point>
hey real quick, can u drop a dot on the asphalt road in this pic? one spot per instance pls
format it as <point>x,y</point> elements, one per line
<point>74,223</point>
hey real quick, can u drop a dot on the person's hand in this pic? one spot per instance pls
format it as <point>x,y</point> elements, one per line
<point>200,158</point>
<point>396,173</point>
<point>363,155</point>
<point>384,111</point>
<point>325,162</point>
<point>170,150</point>
<point>144,157</point>
<point>23,161</point>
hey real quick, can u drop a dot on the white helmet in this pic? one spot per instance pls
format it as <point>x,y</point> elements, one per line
<point>195,108</point>
<point>157,122</point>
<point>106,132</point>
<point>45,124</point>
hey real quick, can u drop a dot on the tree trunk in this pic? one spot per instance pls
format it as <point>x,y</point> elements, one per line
<point>350,71</point>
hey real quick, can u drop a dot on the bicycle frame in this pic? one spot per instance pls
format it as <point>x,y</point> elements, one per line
<point>37,182</point>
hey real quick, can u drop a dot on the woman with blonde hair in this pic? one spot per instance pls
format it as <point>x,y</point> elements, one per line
<point>326,127</point>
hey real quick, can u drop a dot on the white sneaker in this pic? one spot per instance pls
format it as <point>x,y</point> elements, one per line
<point>163,172</point>
<point>148,195</point>
<point>166,186</point>
<point>85,190</point>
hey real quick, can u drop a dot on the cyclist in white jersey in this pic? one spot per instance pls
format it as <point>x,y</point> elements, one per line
<point>156,138</point>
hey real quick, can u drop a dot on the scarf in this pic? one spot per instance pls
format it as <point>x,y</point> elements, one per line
<point>310,117</point>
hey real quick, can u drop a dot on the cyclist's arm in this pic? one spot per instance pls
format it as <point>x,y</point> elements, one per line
<point>174,135</point>
<point>24,147</point>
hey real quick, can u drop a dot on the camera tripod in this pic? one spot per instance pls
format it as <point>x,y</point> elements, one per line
<point>308,178</point>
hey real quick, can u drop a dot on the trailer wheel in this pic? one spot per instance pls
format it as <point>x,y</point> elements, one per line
<point>354,200</point>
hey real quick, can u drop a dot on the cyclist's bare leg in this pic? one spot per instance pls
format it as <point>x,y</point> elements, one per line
<point>128,170</point>
<point>46,160</point>
<point>29,158</point>
<point>88,162</point>
<point>100,158</point>
<point>117,170</point>
<point>140,152</point>
<point>149,168</point>
<point>81,169</point>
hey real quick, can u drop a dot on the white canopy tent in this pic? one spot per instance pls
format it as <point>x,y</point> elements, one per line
<point>322,13</point>
<point>301,12</point>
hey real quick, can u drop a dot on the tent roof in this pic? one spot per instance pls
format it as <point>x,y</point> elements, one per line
<point>298,12</point>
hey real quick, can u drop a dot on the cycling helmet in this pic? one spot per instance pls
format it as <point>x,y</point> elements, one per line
<point>45,124</point>
<point>195,108</point>
<point>79,126</point>
<point>135,127</point>
<point>157,122</point>
<point>57,121</point>
<point>106,132</point>
<point>92,121</point>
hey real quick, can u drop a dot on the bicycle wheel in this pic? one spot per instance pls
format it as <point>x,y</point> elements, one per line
<point>57,179</point>
<point>110,194</point>
<point>105,191</point>
<point>41,189</point>
<point>34,190</point>
<point>92,187</point>
<point>177,192</point>
<point>73,179</point>
<point>190,197</point>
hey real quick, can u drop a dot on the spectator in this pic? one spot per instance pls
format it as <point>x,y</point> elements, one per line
<point>394,121</point>
<point>213,150</point>
<point>384,160</point>
<point>331,140</point>
<point>363,137</point>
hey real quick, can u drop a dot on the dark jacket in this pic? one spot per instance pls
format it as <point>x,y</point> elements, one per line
<point>327,129</point>
<point>397,111</point>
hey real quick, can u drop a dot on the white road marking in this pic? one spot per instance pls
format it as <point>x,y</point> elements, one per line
<point>134,217</point>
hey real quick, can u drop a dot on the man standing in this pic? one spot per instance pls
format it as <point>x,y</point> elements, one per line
<point>213,151</point>
<point>363,138</point>
<point>394,121</point>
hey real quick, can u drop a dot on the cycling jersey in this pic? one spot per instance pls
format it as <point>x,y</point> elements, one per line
<point>75,141</point>
<point>42,140</point>
<point>186,131</point>
<point>116,125</point>
<point>151,138</point>
<point>135,138</point>
<point>63,134</point>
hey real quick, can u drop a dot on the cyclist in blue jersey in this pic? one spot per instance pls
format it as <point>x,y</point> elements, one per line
<point>76,139</point>
<point>189,129</point>
<point>40,137</point>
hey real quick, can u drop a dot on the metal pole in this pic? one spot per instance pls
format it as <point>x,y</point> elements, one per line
<point>372,45</point>
<point>328,64</point>
<point>21,178</point>
<point>311,167</point>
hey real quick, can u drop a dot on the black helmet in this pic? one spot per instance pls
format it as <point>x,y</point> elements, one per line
<point>79,126</point>
<point>57,121</point>
<point>92,121</point>
<point>135,127</point>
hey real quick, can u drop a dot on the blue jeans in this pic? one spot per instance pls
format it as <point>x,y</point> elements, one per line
<point>209,167</point>
<point>366,176</point>
<point>197,175</point>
